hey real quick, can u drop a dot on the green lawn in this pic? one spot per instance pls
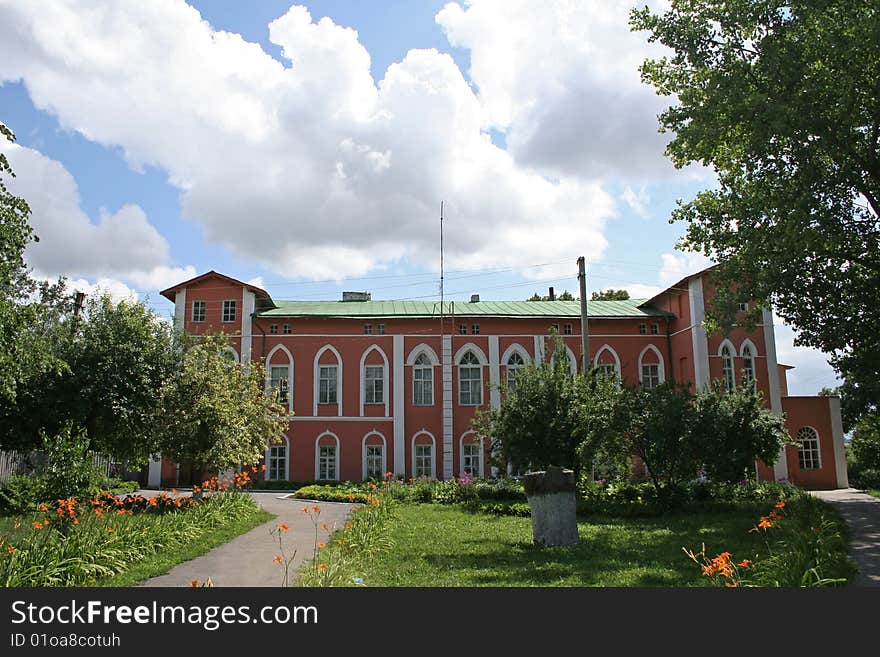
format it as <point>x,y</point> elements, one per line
<point>438,545</point>
<point>874,492</point>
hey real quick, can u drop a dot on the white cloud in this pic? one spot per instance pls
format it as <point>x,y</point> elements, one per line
<point>117,290</point>
<point>811,370</point>
<point>638,201</point>
<point>314,169</point>
<point>561,80</point>
<point>676,266</point>
<point>119,245</point>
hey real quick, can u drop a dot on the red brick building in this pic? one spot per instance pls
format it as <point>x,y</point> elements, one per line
<point>377,386</point>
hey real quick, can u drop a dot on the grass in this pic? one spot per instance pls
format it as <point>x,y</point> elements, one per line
<point>446,546</point>
<point>161,562</point>
<point>873,491</point>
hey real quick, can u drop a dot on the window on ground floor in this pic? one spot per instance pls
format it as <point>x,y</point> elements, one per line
<point>424,461</point>
<point>327,462</point>
<point>374,461</point>
<point>472,459</point>
<point>808,449</point>
<point>277,461</point>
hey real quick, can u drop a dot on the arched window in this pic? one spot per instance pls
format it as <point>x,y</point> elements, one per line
<point>327,376</point>
<point>374,455</point>
<point>514,363</point>
<point>607,363</point>
<point>470,380</point>
<point>471,455</point>
<point>276,462</point>
<point>423,381</point>
<point>727,374</point>
<point>327,457</point>
<point>651,371</point>
<point>423,455</point>
<point>279,366</point>
<point>808,449</point>
<point>748,369</point>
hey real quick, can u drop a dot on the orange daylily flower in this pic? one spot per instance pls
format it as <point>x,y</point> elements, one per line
<point>10,549</point>
<point>322,566</point>
<point>780,505</point>
<point>278,558</point>
<point>324,526</point>
<point>765,523</point>
<point>745,563</point>
<point>321,546</point>
<point>316,509</point>
<point>37,525</point>
<point>283,527</point>
<point>193,584</point>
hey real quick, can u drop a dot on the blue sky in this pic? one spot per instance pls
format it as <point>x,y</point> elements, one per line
<point>310,154</point>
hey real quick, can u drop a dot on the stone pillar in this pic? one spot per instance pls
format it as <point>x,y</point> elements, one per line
<point>551,496</point>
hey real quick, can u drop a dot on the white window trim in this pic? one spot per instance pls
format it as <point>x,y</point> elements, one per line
<point>289,364</point>
<point>317,382</point>
<point>661,370</point>
<point>318,456</point>
<point>727,343</point>
<point>430,366</point>
<point>479,442</point>
<point>286,458</point>
<point>572,361</point>
<point>363,377</point>
<point>233,352</point>
<point>742,350</point>
<point>364,453</point>
<point>515,348</point>
<point>423,432</point>
<point>192,311</point>
<point>223,308</point>
<point>610,350</point>
<point>482,362</point>
<point>422,349</point>
<point>818,449</point>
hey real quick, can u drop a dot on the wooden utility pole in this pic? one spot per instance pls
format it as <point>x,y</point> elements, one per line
<point>79,303</point>
<point>585,339</point>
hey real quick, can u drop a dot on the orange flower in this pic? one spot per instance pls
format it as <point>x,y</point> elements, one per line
<point>322,566</point>
<point>283,527</point>
<point>306,510</point>
<point>348,525</point>
<point>110,530</point>
<point>120,512</point>
<point>37,525</point>
<point>341,542</point>
<point>321,546</point>
<point>278,558</point>
<point>745,563</point>
<point>324,526</point>
<point>193,584</point>
<point>10,549</point>
<point>43,507</point>
<point>153,501</point>
<point>731,585</point>
<point>263,468</point>
<point>780,505</point>
<point>765,523</point>
<point>316,509</point>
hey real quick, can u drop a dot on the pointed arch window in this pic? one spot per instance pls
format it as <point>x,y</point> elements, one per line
<point>748,369</point>
<point>423,381</point>
<point>470,380</point>
<point>727,374</point>
<point>514,364</point>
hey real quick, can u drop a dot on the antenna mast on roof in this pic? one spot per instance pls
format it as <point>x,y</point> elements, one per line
<point>442,323</point>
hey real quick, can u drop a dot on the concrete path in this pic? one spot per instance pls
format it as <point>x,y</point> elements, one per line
<point>862,514</point>
<point>247,560</point>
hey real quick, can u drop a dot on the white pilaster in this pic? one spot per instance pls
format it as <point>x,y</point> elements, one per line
<point>698,333</point>
<point>154,475</point>
<point>780,469</point>
<point>248,303</point>
<point>399,406</point>
<point>494,373</point>
<point>179,309</point>
<point>837,437</point>
<point>446,359</point>
<point>539,350</point>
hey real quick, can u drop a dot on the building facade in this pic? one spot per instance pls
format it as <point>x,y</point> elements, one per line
<point>379,386</point>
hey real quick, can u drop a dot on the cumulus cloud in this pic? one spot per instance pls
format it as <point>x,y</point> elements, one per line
<point>675,266</point>
<point>309,166</point>
<point>561,80</point>
<point>119,245</point>
<point>811,370</point>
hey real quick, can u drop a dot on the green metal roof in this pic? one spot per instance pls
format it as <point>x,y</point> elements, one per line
<point>597,309</point>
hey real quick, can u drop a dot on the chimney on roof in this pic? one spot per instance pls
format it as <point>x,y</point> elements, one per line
<point>552,295</point>
<point>356,296</point>
<point>475,298</point>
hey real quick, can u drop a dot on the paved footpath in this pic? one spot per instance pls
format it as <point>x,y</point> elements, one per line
<point>862,514</point>
<point>247,560</point>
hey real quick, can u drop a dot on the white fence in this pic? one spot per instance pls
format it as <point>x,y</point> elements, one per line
<point>24,463</point>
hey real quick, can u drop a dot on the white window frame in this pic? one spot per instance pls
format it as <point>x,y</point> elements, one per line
<point>649,378</point>
<point>510,370</point>
<point>269,460</point>
<point>470,381</point>
<point>813,452</point>
<point>433,446</point>
<point>423,380</point>
<point>225,308</point>
<point>316,373</point>
<point>363,379</point>
<point>332,391</point>
<point>478,443</point>
<point>289,365</point>
<point>318,458</point>
<point>365,448</point>
<point>203,306</point>
<point>661,370</point>
<point>748,347</point>
<point>615,365</point>
<point>726,352</point>
<point>374,384</point>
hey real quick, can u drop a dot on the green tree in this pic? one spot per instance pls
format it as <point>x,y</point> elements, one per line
<point>610,295</point>
<point>21,354</point>
<point>565,296</point>
<point>216,413</point>
<point>865,443</point>
<point>732,430</point>
<point>780,98</point>
<point>540,420</point>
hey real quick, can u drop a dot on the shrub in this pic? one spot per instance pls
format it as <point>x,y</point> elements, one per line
<point>342,493</point>
<point>20,494</point>
<point>865,479</point>
<point>70,469</point>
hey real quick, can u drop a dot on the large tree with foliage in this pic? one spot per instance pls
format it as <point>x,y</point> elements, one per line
<point>543,417</point>
<point>216,412</point>
<point>22,352</point>
<point>610,295</point>
<point>782,99</point>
